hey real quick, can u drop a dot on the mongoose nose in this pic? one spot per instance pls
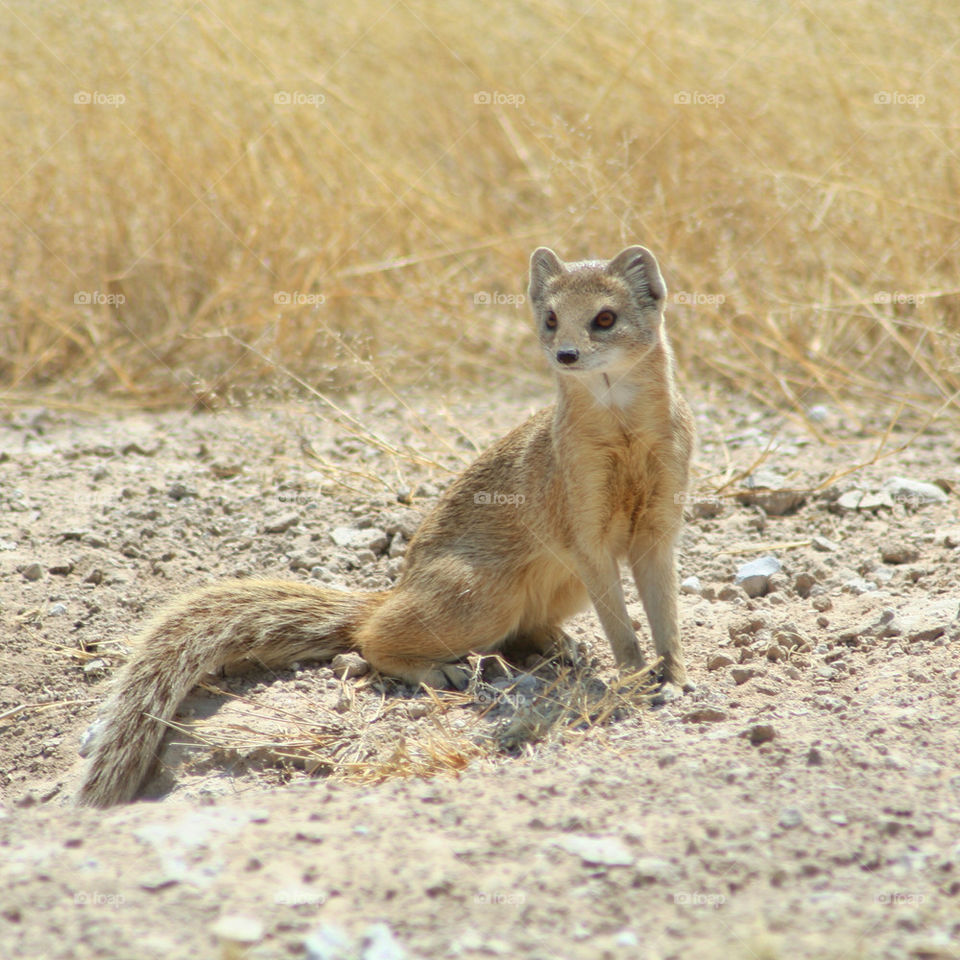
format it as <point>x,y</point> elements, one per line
<point>568,356</point>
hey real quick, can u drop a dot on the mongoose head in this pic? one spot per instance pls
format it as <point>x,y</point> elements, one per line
<point>597,316</point>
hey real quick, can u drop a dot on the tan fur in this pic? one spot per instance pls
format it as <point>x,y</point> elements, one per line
<point>528,535</point>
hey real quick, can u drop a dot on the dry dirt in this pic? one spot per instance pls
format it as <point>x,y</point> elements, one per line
<point>804,802</point>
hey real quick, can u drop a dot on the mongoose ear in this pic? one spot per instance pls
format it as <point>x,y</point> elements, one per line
<point>638,266</point>
<point>544,264</point>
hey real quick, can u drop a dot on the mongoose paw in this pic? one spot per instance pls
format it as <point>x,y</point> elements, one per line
<point>448,675</point>
<point>667,693</point>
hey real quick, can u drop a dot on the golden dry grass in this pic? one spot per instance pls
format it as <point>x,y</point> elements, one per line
<point>368,737</point>
<point>185,168</point>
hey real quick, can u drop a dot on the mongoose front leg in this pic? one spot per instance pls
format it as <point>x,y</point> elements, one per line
<point>602,581</point>
<point>655,573</point>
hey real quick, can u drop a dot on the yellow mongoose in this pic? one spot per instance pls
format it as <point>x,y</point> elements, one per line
<point>529,533</point>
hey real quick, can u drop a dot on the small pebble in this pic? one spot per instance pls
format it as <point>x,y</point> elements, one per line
<point>898,551</point>
<point>760,733</point>
<point>691,585</point>
<point>790,817</point>
<point>754,577</point>
<point>282,523</point>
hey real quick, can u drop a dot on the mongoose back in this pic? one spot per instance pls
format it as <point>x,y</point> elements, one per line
<point>531,533</point>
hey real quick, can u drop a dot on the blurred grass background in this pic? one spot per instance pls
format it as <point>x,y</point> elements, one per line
<point>355,190</point>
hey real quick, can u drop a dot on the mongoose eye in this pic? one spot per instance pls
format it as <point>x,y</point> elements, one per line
<point>551,321</point>
<point>605,319</point>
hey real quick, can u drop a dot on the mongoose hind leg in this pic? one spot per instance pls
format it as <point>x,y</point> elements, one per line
<point>418,639</point>
<point>546,641</point>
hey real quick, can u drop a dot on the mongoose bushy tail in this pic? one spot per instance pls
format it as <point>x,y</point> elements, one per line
<point>272,623</point>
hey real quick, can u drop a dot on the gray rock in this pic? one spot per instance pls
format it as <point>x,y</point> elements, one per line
<point>33,571</point>
<point>922,621</point>
<point>597,851</point>
<point>328,942</point>
<point>858,586</point>
<point>824,545</point>
<point>848,501</point>
<point>655,870</point>
<point>754,577</point>
<point>237,929</point>
<point>691,585</point>
<point>718,661</point>
<point>705,715</point>
<point>355,538</point>
<point>95,667</point>
<point>379,943</point>
<point>404,522</point>
<point>790,817</point>
<point>905,490</point>
<point>348,665</point>
<point>179,491</point>
<point>898,551</point>
<point>875,501</point>
<point>769,490</point>
<point>760,733</point>
<point>742,674</point>
<point>282,523</point>
<point>57,610</point>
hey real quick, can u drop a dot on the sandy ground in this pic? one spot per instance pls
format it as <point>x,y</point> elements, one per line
<point>804,802</point>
